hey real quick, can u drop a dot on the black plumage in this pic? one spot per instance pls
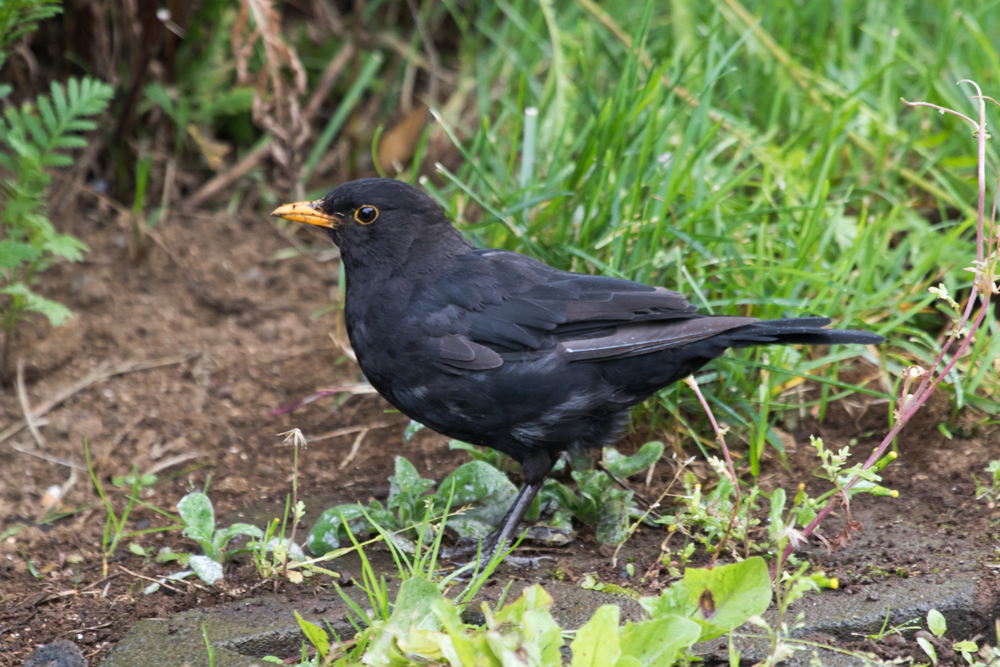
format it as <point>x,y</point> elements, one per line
<point>497,349</point>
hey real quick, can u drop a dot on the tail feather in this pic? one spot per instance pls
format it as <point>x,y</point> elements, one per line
<point>797,331</point>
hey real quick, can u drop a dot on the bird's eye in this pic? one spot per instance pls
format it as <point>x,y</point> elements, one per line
<point>366,214</point>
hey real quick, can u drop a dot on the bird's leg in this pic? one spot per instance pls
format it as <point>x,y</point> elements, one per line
<point>535,467</point>
<point>507,534</point>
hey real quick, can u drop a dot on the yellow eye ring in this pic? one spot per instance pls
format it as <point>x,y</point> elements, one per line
<point>366,214</point>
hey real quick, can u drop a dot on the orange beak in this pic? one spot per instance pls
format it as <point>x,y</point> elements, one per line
<point>308,212</point>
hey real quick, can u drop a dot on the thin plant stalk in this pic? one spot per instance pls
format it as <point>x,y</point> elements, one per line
<point>295,435</point>
<point>720,436</point>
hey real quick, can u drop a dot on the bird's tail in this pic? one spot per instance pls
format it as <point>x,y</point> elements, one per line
<point>796,331</point>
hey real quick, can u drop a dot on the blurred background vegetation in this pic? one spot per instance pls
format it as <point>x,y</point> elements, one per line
<point>753,155</point>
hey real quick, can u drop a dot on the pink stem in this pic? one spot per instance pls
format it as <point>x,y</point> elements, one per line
<point>718,432</point>
<point>931,381</point>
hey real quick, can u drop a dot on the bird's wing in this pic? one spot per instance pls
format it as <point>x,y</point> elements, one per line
<point>514,303</point>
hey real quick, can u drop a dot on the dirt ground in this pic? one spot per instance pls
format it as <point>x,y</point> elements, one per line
<point>208,335</point>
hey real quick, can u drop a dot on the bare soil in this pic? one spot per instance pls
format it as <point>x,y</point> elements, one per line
<point>237,337</point>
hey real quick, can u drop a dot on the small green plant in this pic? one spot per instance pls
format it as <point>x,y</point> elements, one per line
<point>709,518</point>
<point>198,517</point>
<point>204,97</point>
<point>974,656</point>
<point>35,137</point>
<point>479,485</point>
<point>114,525</point>
<point>887,630</point>
<point>272,554</point>
<point>991,491</point>
<point>424,626</point>
<point>597,500</point>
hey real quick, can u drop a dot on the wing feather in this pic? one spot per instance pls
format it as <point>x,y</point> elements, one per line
<point>458,353</point>
<point>631,340</point>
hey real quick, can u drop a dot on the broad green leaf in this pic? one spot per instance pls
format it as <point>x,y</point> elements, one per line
<point>198,516</point>
<point>414,608</point>
<point>655,643</point>
<point>612,521</point>
<point>422,646</point>
<point>538,638</point>
<point>411,430</point>
<point>718,599</point>
<point>316,635</point>
<point>222,537</point>
<point>597,643</point>
<point>406,484</point>
<point>532,597</point>
<point>463,648</point>
<point>937,623</point>
<point>12,254</point>
<point>207,569</point>
<point>328,530</point>
<point>482,485</point>
<point>622,466</point>
<point>541,637</point>
<point>928,648</point>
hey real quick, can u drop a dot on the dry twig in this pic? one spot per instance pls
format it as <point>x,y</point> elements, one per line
<point>155,581</point>
<point>354,448</point>
<point>46,457</point>
<point>106,370</point>
<point>22,396</point>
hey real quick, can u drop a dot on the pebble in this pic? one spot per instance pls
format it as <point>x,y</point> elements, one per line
<point>60,653</point>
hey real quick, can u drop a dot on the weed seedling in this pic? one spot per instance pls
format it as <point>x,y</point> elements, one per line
<point>114,524</point>
<point>887,630</point>
<point>991,491</point>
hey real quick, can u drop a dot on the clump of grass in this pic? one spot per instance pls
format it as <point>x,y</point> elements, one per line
<point>651,153</point>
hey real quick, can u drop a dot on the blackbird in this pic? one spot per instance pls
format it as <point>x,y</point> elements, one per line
<point>498,349</point>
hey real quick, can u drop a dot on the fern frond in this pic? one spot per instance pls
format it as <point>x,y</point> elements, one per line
<point>19,17</point>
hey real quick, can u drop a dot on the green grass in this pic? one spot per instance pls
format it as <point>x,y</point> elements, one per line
<point>755,157</point>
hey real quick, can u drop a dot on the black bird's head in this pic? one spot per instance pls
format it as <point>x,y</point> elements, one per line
<point>379,221</point>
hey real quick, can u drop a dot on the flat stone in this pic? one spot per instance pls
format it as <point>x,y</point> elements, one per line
<point>244,631</point>
<point>893,566</point>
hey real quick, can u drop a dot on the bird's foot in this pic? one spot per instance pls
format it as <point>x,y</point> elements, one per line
<point>545,536</point>
<point>481,555</point>
<point>475,568</point>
